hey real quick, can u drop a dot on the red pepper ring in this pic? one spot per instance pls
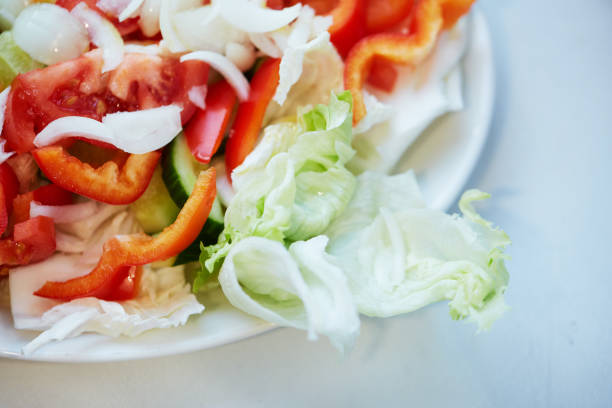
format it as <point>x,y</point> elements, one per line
<point>397,48</point>
<point>430,17</point>
<point>107,183</point>
<point>122,252</point>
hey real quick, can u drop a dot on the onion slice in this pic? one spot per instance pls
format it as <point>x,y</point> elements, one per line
<point>131,10</point>
<point>50,34</point>
<point>103,34</point>
<point>249,16</point>
<point>64,213</point>
<point>197,96</point>
<point>226,68</point>
<point>3,99</point>
<point>167,10</point>
<point>137,132</point>
<point>149,17</point>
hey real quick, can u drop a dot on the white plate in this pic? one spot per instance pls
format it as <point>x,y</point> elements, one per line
<point>443,159</point>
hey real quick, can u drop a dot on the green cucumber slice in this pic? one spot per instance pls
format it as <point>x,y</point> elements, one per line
<point>155,209</point>
<point>13,60</point>
<point>180,171</point>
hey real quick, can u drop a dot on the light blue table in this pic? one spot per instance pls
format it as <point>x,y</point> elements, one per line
<point>548,164</point>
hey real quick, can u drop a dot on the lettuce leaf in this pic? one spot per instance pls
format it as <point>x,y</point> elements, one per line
<point>293,184</point>
<point>298,287</point>
<point>399,256</point>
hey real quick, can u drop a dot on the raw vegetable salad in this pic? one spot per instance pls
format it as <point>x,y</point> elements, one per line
<point>152,150</point>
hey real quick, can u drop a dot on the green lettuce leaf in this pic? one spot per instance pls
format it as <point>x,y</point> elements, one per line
<point>399,256</point>
<point>293,184</point>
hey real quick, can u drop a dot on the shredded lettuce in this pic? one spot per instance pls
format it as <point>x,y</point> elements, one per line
<point>293,184</point>
<point>399,256</point>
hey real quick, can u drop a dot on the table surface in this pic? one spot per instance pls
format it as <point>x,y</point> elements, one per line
<point>547,164</point>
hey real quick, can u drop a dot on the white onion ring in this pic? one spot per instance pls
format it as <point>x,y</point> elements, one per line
<point>226,68</point>
<point>64,213</point>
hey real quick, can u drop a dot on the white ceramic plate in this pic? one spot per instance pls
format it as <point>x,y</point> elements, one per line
<point>443,159</point>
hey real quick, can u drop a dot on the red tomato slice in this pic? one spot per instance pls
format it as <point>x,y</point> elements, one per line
<point>77,87</point>
<point>39,234</point>
<point>10,185</point>
<point>205,131</point>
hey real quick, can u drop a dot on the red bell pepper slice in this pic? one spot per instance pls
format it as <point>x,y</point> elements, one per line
<point>383,15</point>
<point>38,233</point>
<point>139,249</point>
<point>250,115</point>
<point>383,75</point>
<point>107,183</point>
<point>349,20</point>
<point>453,10</point>
<point>348,27</point>
<point>52,195</point>
<point>394,47</point>
<point>206,129</point>
<point>429,18</point>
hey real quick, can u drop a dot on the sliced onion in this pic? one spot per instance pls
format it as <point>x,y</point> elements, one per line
<point>149,17</point>
<point>252,18</point>
<point>131,10</point>
<point>266,45</point>
<point>167,10</point>
<point>69,243</point>
<point>137,132</point>
<point>197,96</point>
<point>3,98</point>
<point>103,34</point>
<point>112,7</point>
<point>152,49</point>
<point>226,68</point>
<point>9,10</point>
<point>64,213</point>
<point>241,55</point>
<point>50,34</point>
<point>204,28</point>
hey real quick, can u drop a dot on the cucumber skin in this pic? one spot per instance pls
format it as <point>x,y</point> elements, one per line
<point>208,236</point>
<point>178,192</point>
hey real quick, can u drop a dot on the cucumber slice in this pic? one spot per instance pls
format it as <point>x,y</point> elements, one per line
<point>155,210</point>
<point>13,60</point>
<point>180,171</point>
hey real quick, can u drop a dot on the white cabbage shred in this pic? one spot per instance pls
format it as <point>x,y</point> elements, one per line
<point>164,300</point>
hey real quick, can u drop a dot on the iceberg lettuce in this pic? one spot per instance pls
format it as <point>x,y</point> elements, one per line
<point>293,184</point>
<point>298,287</point>
<point>400,256</point>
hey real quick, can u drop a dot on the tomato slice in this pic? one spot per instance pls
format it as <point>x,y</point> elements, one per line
<point>149,81</point>
<point>38,233</point>
<point>205,131</point>
<point>10,185</point>
<point>78,88</point>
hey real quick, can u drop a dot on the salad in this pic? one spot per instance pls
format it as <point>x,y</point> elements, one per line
<point>155,150</point>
